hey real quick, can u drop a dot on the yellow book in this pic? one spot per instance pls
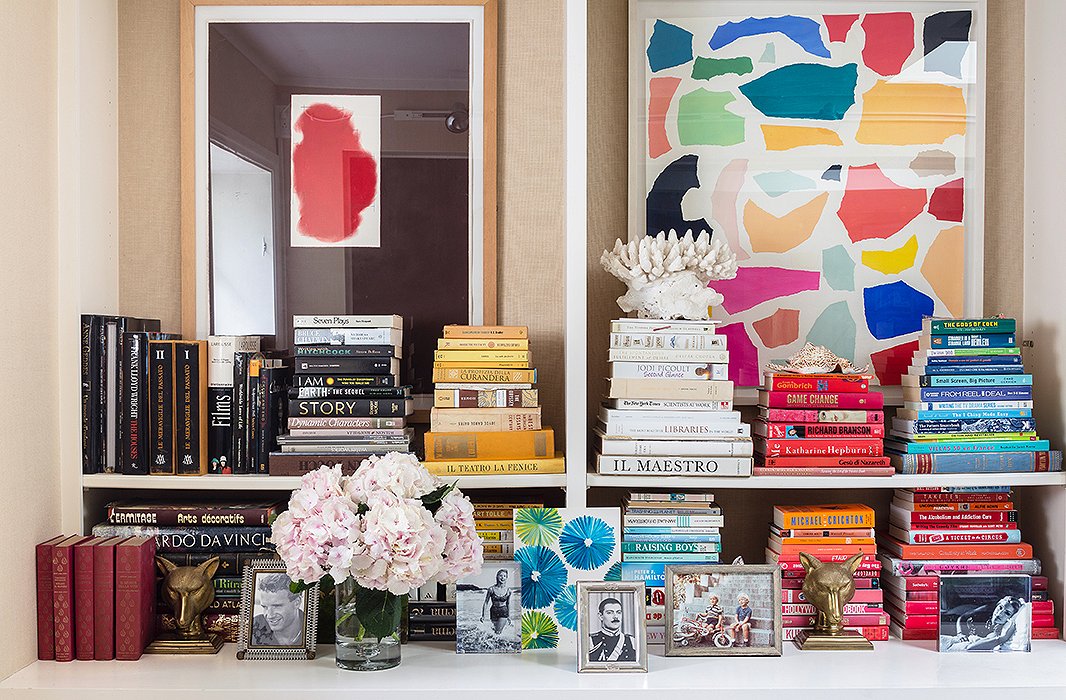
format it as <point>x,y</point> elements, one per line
<point>502,548</point>
<point>482,467</point>
<point>482,344</point>
<point>483,364</point>
<point>495,535</point>
<point>493,524</point>
<point>513,444</point>
<point>486,375</point>
<point>475,355</point>
<point>516,332</point>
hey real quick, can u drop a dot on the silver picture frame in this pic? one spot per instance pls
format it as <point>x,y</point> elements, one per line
<point>251,648</point>
<point>686,636</point>
<point>631,596</point>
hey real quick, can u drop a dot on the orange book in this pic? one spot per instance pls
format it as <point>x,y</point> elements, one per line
<point>516,332</point>
<point>821,549</point>
<point>826,516</point>
<point>898,549</point>
<point>515,444</point>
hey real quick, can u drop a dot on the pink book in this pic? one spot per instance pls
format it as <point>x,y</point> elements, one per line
<point>46,634</point>
<point>866,596</point>
<point>874,400</point>
<point>823,471</point>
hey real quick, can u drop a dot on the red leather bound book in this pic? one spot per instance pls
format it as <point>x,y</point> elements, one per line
<point>104,599</point>
<point>46,631</point>
<point>134,597</point>
<point>63,596</point>
<point>83,599</point>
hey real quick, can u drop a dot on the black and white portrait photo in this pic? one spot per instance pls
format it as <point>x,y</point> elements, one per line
<point>276,623</point>
<point>985,613</point>
<point>489,610</point>
<point>611,626</point>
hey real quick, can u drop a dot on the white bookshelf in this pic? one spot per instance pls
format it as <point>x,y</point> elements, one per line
<point>895,669</point>
<point>897,481</point>
<point>255,482</point>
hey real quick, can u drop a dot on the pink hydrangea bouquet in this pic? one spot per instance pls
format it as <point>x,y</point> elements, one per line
<point>390,527</point>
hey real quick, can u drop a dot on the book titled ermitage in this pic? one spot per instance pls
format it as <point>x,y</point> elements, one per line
<point>985,613</point>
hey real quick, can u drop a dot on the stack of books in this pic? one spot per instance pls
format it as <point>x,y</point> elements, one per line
<point>95,597</point>
<point>820,425</point>
<point>495,526</point>
<point>669,408</point>
<point>230,385</point>
<point>486,416</point>
<point>347,401</point>
<point>831,533</point>
<point>968,404</point>
<point>188,534</point>
<point>659,529</point>
<point>940,532</point>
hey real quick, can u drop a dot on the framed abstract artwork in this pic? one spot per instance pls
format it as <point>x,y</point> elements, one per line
<point>836,146</point>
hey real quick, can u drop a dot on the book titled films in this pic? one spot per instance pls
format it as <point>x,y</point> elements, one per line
<point>669,370</point>
<point>799,415</point>
<point>524,444</point>
<point>841,383</point>
<point>452,468</point>
<point>667,355</point>
<point>161,433</point>
<point>668,341</point>
<point>815,447</point>
<point>188,539</point>
<point>480,420</point>
<point>668,405</point>
<point>485,398</point>
<point>666,466</point>
<point>955,537</point>
<point>349,407</point>
<point>687,389</point>
<point>484,375</point>
<point>348,336</point>
<point>636,447</point>
<point>837,400</point>
<point>816,430</point>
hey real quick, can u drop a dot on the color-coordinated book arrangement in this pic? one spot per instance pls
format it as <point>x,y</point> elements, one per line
<point>935,533</point>
<point>820,425</point>
<point>188,534</point>
<point>831,533</point>
<point>486,416</point>
<point>495,526</point>
<point>95,597</point>
<point>968,404</point>
<point>661,528</point>
<point>669,408</point>
<point>347,401</point>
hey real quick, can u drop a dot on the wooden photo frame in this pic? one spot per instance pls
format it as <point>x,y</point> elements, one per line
<point>276,624</point>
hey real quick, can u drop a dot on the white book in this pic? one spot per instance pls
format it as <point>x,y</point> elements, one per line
<point>220,351</point>
<point>659,325</point>
<point>668,405</point>
<point>608,414</point>
<point>669,370</point>
<point>640,355</point>
<point>327,321</point>
<point>348,336</point>
<point>650,431</point>
<point>668,341</point>
<point>617,446</point>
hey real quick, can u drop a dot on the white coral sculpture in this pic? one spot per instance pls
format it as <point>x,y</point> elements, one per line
<point>667,276</point>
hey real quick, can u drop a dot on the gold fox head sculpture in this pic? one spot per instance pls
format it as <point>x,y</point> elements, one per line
<point>829,587</point>
<point>189,591</point>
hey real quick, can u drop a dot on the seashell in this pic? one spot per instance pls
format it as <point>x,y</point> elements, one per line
<point>817,359</point>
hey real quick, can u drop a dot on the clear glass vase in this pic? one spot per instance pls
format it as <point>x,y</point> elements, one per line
<point>360,648</point>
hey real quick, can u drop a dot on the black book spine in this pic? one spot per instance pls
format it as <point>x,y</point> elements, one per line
<point>343,380</point>
<point>135,413</point>
<point>220,429</point>
<point>100,369</point>
<point>251,419</point>
<point>358,392</point>
<point>187,400</point>
<point>379,351</point>
<point>89,389</point>
<point>195,540</point>
<point>262,417</point>
<point>388,408</point>
<point>161,367</point>
<point>344,365</point>
<point>240,407</point>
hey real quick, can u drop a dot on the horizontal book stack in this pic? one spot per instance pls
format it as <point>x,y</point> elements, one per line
<point>937,532</point>
<point>486,416</point>
<point>347,401</point>
<point>669,407</point>
<point>495,526</point>
<point>830,533</point>
<point>820,425</point>
<point>188,535</point>
<point>431,620</point>
<point>661,528</point>
<point>95,598</point>
<point>968,404</point>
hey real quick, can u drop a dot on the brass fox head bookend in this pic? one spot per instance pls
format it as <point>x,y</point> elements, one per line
<point>189,591</point>
<point>829,587</point>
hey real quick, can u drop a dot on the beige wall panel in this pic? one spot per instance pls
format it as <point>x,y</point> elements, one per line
<point>29,454</point>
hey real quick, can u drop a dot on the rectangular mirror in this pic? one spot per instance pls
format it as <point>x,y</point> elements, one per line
<point>338,159</point>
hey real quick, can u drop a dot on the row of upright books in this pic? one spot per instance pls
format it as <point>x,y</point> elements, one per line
<point>669,406</point>
<point>968,404</point>
<point>347,400</point>
<point>486,415</point>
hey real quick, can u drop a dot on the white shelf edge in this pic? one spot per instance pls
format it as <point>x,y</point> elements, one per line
<point>253,482</point>
<point>829,482</point>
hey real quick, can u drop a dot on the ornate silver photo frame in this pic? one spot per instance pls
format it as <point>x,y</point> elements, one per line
<point>276,624</point>
<point>611,627</point>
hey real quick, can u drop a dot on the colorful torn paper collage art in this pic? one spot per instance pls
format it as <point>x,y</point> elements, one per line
<point>558,547</point>
<point>836,154</point>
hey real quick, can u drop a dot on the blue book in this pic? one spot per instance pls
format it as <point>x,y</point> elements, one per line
<point>966,447</point>
<point>701,531</point>
<point>976,340</point>
<point>966,360</point>
<point>630,536</point>
<point>985,393</point>
<point>974,380</point>
<point>969,415</point>
<point>674,558</point>
<point>670,547</point>
<point>980,463</point>
<point>976,425</point>
<point>653,574</point>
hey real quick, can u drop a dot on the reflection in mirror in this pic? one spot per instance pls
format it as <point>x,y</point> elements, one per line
<point>403,168</point>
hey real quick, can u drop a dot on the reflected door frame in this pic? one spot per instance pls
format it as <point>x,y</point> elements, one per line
<point>237,143</point>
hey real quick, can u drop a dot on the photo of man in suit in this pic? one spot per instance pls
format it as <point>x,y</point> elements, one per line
<point>610,643</point>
